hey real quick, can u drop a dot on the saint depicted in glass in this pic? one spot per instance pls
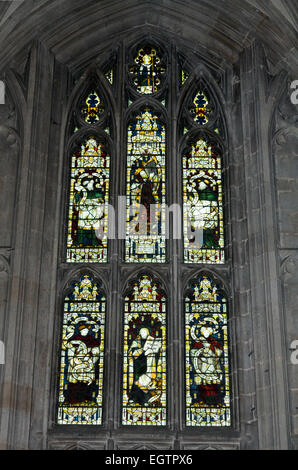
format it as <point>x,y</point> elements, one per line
<point>203,204</point>
<point>92,109</point>
<point>88,204</point>
<point>82,353</point>
<point>145,230</point>
<point>207,361</point>
<point>147,71</point>
<point>144,359</point>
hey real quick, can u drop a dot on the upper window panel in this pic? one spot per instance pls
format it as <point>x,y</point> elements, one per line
<point>203,204</point>
<point>147,70</point>
<point>88,203</point>
<point>145,233</point>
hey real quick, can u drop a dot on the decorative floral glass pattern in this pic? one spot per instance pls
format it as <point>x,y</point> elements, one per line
<point>88,204</point>
<point>203,205</point>
<point>92,111</point>
<point>82,354</point>
<point>145,234</point>
<point>144,358</point>
<point>200,109</point>
<point>207,360</point>
<point>147,71</point>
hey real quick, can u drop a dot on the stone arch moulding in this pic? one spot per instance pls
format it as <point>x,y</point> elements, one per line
<point>201,77</point>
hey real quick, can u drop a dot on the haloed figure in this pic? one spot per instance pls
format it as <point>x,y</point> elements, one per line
<point>205,357</point>
<point>143,361</point>
<point>83,355</point>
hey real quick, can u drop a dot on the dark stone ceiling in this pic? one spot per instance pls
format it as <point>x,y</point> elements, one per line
<point>76,31</point>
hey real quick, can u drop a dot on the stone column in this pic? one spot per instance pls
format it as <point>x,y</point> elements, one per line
<point>23,335</point>
<point>257,101</point>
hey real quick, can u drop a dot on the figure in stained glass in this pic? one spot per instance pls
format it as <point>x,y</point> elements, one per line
<point>203,210</point>
<point>147,70</point>
<point>87,239</point>
<point>207,364</point>
<point>83,355</point>
<point>145,239</point>
<point>81,369</point>
<point>144,375</point>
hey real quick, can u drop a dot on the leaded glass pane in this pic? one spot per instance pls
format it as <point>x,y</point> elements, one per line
<point>147,70</point>
<point>203,204</point>
<point>145,228</point>
<point>92,108</point>
<point>82,355</point>
<point>207,360</point>
<point>200,109</point>
<point>144,358</point>
<point>88,203</point>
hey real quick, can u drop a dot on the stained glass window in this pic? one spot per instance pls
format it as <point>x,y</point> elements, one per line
<point>145,234</point>
<point>88,203</point>
<point>144,358</point>
<point>147,70</point>
<point>82,354</point>
<point>207,361</point>
<point>203,204</point>
<point>92,108</point>
<point>201,108</point>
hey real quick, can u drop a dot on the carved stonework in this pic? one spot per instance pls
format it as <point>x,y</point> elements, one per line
<point>211,446</point>
<point>62,444</point>
<point>9,137</point>
<point>286,129</point>
<point>143,446</point>
<point>4,261</point>
<point>289,266</point>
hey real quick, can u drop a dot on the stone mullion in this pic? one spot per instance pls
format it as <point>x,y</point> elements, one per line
<point>175,367</point>
<point>116,314</point>
<point>262,243</point>
<point>23,307</point>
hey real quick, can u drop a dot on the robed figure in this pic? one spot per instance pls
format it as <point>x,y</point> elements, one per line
<point>82,371</point>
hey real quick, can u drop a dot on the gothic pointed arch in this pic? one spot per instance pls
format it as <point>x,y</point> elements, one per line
<point>91,101</point>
